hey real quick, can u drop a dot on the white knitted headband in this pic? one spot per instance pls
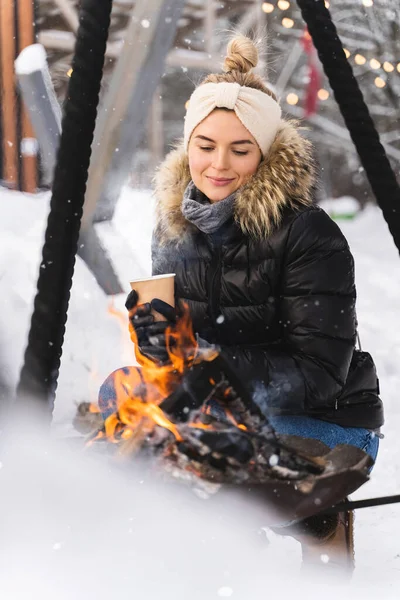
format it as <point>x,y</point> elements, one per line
<point>258,112</point>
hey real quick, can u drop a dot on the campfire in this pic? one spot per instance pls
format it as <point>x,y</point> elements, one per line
<point>196,421</point>
<point>195,415</point>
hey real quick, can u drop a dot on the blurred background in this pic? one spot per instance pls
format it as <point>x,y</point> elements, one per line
<point>368,29</point>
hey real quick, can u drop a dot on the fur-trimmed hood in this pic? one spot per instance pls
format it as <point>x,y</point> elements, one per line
<point>285,178</point>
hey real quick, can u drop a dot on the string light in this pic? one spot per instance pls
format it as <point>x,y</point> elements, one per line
<point>292,99</point>
<point>267,7</point>
<point>360,59</point>
<point>398,67</point>
<point>347,53</point>
<point>187,104</point>
<point>389,68</point>
<point>69,72</point>
<point>368,3</point>
<point>288,23</point>
<point>375,64</point>
<point>379,82</point>
<point>323,94</point>
<point>283,4</point>
<point>327,4</point>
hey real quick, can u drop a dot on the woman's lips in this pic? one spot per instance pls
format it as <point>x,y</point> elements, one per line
<point>220,182</point>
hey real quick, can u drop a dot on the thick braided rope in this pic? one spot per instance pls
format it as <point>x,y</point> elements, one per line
<point>355,112</point>
<point>39,373</point>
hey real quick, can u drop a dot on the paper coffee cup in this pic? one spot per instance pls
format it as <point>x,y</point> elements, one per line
<point>158,286</point>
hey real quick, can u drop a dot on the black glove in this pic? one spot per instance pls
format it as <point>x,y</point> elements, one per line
<point>150,333</point>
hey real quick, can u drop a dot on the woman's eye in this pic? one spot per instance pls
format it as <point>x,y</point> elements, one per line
<point>210,149</point>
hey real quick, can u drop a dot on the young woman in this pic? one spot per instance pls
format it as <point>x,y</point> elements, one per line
<point>267,275</point>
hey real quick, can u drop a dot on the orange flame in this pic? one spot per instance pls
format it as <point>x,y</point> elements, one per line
<point>118,314</point>
<point>140,391</point>
<point>181,348</point>
<point>234,421</point>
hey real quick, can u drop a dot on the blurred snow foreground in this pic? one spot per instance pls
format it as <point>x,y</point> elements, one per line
<point>74,524</point>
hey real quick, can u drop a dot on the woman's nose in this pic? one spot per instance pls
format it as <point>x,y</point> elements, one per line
<point>221,160</point>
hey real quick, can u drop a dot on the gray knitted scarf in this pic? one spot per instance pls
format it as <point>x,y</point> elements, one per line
<point>206,216</point>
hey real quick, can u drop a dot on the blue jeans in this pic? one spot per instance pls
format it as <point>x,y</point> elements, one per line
<point>302,426</point>
<point>328,433</point>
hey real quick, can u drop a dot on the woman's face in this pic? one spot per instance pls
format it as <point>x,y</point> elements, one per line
<point>223,155</point>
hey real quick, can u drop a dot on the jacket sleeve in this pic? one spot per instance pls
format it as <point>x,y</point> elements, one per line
<point>307,369</point>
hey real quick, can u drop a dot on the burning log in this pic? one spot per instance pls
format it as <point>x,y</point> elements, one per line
<point>198,423</point>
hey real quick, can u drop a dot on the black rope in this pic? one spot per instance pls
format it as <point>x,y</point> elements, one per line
<point>354,110</point>
<point>39,373</point>
<point>367,503</point>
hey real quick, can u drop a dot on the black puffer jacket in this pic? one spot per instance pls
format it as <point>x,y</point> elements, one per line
<point>274,288</point>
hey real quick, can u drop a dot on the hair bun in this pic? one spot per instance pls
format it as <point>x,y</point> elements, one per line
<point>242,55</point>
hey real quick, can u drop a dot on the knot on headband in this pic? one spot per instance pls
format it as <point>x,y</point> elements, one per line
<point>257,111</point>
<point>226,95</point>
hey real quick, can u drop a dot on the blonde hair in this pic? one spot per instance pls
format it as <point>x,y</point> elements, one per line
<point>241,58</point>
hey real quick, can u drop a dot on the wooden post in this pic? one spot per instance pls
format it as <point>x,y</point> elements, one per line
<point>29,144</point>
<point>8,112</point>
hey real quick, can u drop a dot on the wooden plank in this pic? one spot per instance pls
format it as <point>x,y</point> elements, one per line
<point>133,84</point>
<point>41,102</point>
<point>29,145</point>
<point>177,57</point>
<point>69,14</point>
<point>8,98</point>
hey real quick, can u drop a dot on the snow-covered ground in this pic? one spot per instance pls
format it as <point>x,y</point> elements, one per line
<point>96,343</point>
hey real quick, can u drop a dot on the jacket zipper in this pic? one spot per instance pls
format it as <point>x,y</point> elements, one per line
<point>215,287</point>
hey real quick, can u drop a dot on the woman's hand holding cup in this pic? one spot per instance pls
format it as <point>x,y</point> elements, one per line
<point>150,321</point>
